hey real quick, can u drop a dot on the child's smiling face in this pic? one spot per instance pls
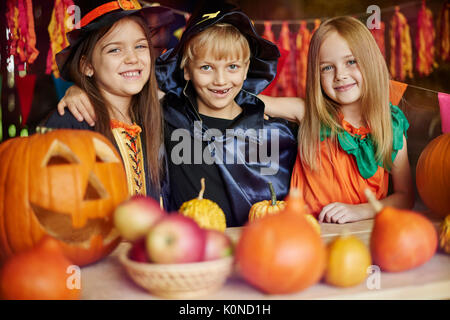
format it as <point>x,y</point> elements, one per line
<point>340,76</point>
<point>121,60</point>
<point>217,82</point>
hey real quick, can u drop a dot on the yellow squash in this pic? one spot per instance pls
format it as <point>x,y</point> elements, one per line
<point>205,212</point>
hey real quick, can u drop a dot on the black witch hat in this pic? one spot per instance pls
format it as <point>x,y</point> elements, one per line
<point>264,54</point>
<point>97,14</point>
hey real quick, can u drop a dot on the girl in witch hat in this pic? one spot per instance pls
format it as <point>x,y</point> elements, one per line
<point>110,57</point>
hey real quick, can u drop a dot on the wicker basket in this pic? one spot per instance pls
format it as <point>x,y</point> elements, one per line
<point>178,281</point>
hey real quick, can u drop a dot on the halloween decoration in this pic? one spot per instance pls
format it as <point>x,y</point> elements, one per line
<point>401,65</point>
<point>205,212</point>
<point>262,208</point>
<point>65,183</point>
<point>433,175</point>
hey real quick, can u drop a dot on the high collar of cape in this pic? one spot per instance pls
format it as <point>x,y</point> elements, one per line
<point>263,60</point>
<point>182,111</point>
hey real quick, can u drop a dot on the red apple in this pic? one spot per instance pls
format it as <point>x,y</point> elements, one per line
<point>175,239</point>
<point>134,217</point>
<point>138,251</point>
<point>218,245</point>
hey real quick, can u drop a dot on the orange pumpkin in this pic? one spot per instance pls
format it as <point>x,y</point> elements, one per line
<point>400,239</point>
<point>262,208</point>
<point>433,175</point>
<point>65,183</point>
<point>41,273</point>
<point>280,253</point>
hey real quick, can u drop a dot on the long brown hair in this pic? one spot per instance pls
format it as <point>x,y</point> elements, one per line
<point>145,108</point>
<point>321,110</point>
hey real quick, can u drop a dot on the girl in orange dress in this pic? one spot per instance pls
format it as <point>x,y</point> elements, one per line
<point>350,137</point>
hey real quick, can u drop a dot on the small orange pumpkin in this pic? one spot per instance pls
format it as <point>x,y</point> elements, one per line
<point>400,239</point>
<point>433,175</point>
<point>265,207</point>
<point>40,273</point>
<point>64,183</point>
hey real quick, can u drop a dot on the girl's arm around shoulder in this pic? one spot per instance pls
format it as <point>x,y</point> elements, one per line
<point>289,108</point>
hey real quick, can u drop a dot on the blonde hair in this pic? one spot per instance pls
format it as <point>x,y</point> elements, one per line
<point>321,110</point>
<point>221,40</point>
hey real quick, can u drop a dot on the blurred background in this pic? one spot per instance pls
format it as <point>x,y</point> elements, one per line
<point>413,36</point>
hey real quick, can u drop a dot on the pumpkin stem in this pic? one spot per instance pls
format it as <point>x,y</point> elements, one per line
<point>161,204</point>
<point>295,202</point>
<point>376,205</point>
<point>273,194</point>
<point>202,190</point>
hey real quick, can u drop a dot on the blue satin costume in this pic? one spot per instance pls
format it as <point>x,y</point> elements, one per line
<point>243,182</point>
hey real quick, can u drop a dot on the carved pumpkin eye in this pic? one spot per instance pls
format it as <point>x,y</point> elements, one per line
<point>95,189</point>
<point>103,152</point>
<point>58,154</point>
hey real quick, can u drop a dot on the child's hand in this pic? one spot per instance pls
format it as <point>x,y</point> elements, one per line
<point>79,105</point>
<point>337,212</point>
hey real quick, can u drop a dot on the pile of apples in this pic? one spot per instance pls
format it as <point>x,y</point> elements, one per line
<point>161,237</point>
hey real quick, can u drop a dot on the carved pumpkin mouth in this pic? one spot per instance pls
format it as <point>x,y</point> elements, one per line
<point>59,226</point>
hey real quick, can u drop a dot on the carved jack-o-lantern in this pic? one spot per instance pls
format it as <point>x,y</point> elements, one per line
<point>65,183</point>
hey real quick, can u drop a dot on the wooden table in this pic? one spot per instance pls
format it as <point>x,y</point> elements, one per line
<point>107,279</point>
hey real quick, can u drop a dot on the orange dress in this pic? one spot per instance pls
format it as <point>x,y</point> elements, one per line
<point>340,174</point>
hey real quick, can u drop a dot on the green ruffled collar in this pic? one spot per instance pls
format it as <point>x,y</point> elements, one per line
<point>363,149</point>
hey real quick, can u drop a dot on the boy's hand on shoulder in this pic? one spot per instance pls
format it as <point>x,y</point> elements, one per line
<point>338,212</point>
<point>78,103</point>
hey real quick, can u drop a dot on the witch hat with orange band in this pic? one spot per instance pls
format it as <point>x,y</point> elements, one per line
<point>96,14</point>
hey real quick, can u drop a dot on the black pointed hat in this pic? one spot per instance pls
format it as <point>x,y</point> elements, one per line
<point>264,54</point>
<point>97,14</point>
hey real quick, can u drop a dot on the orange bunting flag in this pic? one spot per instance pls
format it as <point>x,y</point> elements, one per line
<point>317,23</point>
<point>444,43</point>
<point>285,81</point>
<point>302,43</point>
<point>268,34</point>
<point>401,65</point>
<point>425,41</point>
<point>57,30</point>
<point>21,33</point>
<point>396,91</point>
<point>444,106</point>
<point>378,35</point>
